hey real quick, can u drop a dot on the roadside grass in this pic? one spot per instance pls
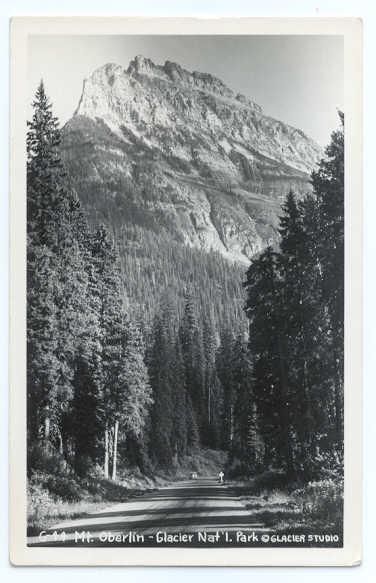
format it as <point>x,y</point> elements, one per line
<point>43,515</point>
<point>56,493</point>
<point>282,506</point>
<point>46,508</point>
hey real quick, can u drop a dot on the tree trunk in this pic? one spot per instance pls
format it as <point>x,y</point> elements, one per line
<point>114,462</point>
<point>231,424</point>
<point>209,404</point>
<point>176,457</point>
<point>47,424</point>
<point>61,442</point>
<point>106,452</point>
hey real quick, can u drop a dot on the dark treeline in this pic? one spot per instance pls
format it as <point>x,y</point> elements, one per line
<point>98,385</point>
<point>154,266</point>
<point>104,386</point>
<point>154,253</point>
<point>87,379</point>
<point>295,307</point>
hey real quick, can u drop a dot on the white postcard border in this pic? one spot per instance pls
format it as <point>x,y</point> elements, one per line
<point>350,554</point>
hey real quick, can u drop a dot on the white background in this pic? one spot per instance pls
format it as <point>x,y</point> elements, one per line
<point>366,10</point>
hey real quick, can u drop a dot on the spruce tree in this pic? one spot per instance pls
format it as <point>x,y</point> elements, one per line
<point>85,416</point>
<point>191,339</point>
<point>213,396</point>
<point>328,185</point>
<point>224,372</point>
<point>181,405</point>
<point>55,286</point>
<point>244,419</point>
<point>298,308</point>
<point>267,343</point>
<point>130,392</point>
<point>160,372</point>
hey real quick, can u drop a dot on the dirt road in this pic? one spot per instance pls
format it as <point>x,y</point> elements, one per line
<point>186,513</point>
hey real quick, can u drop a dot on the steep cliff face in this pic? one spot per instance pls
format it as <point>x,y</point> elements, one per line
<point>164,148</point>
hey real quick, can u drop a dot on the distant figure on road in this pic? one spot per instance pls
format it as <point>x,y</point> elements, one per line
<point>194,476</point>
<point>220,476</point>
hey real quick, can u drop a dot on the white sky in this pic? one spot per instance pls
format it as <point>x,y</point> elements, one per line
<point>297,79</point>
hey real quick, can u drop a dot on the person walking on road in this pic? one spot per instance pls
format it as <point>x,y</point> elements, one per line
<point>220,476</point>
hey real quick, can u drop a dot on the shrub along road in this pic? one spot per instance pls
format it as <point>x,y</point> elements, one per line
<point>198,512</point>
<point>170,515</point>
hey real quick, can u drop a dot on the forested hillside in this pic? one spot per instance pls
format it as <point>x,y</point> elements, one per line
<point>120,375</point>
<point>98,379</point>
<point>188,177</point>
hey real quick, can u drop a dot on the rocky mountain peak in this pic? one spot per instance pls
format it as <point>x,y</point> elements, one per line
<point>141,65</point>
<point>204,157</point>
<point>104,74</point>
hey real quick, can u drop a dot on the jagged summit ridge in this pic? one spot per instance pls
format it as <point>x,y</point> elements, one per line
<point>173,72</point>
<point>181,149</point>
<point>169,72</point>
<point>146,95</point>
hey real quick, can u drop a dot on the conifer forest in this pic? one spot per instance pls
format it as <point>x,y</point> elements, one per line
<point>143,352</point>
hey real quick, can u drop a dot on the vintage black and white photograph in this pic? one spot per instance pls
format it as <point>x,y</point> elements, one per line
<point>185,290</point>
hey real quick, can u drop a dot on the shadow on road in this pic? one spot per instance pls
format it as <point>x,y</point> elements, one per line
<point>187,508</point>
